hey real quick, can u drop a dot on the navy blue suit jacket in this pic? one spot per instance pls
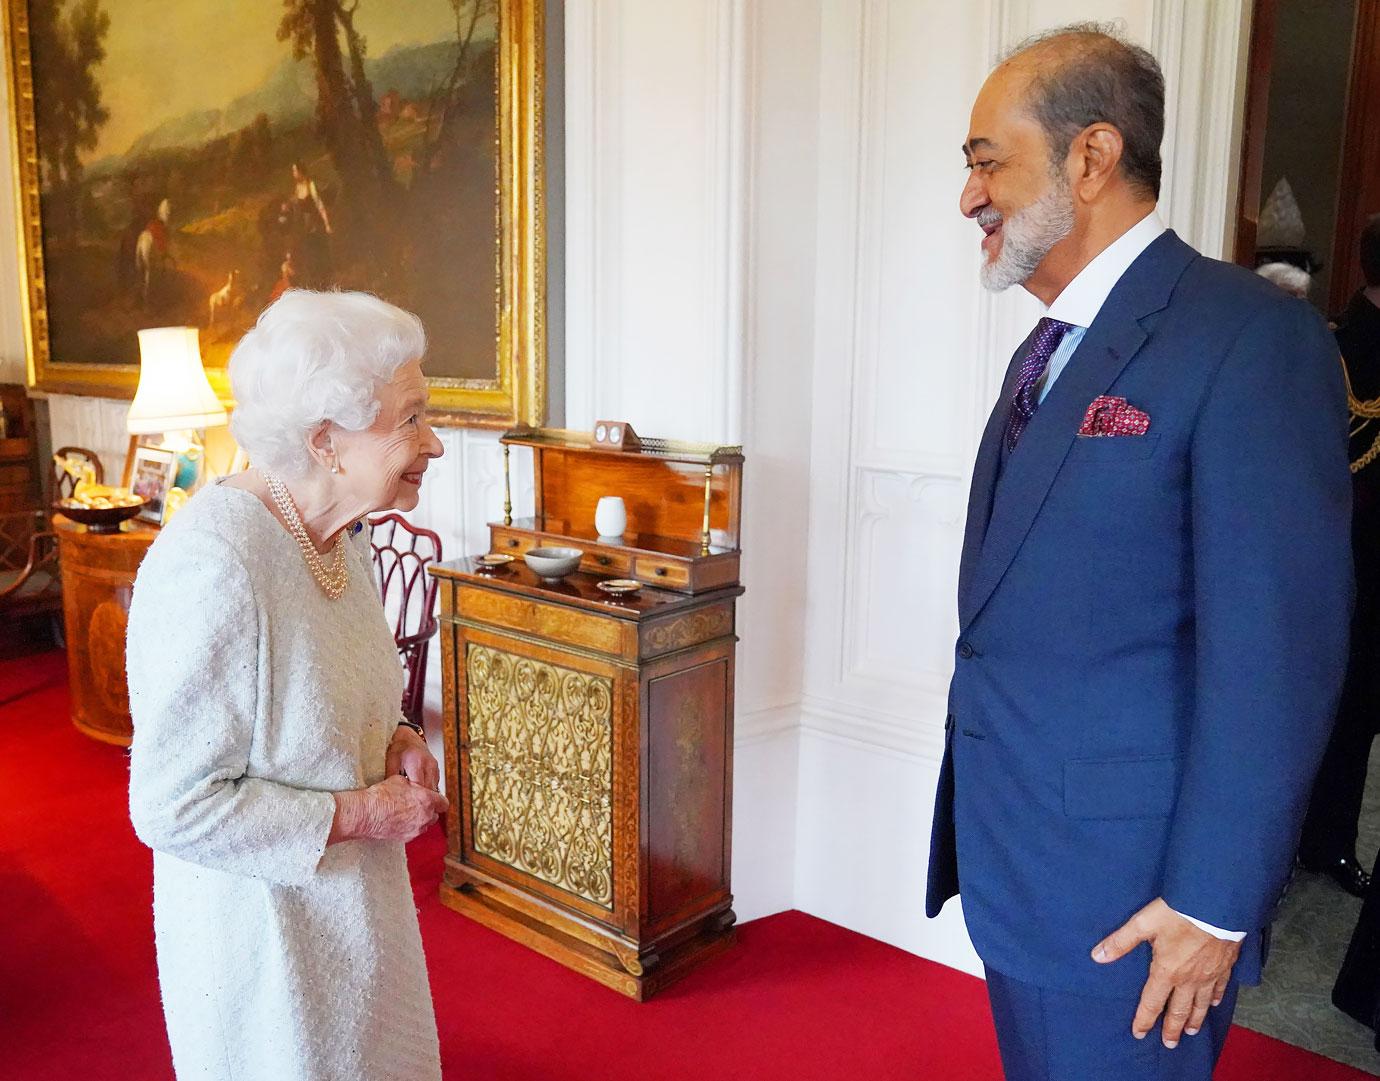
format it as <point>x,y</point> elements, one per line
<point>1153,629</point>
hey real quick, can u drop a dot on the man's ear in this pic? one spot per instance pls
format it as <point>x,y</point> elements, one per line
<point>1098,150</point>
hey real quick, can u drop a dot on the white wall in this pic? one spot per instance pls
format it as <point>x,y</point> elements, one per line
<point>763,245</point>
<point>691,132</point>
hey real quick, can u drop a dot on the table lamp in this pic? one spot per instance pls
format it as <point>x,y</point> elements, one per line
<point>174,399</point>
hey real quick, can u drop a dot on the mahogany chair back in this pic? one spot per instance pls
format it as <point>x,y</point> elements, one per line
<point>29,579</point>
<point>401,553</point>
<point>63,484</point>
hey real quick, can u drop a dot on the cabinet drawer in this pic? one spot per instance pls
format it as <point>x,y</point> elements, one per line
<point>513,544</point>
<point>661,572</point>
<point>615,563</point>
<point>552,622</point>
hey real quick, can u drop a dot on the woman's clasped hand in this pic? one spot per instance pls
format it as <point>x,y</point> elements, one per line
<point>395,809</point>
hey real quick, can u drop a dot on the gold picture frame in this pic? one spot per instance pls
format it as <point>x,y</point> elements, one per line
<point>516,392</point>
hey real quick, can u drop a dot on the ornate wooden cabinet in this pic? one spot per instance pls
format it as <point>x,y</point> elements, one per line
<point>98,572</point>
<point>588,737</point>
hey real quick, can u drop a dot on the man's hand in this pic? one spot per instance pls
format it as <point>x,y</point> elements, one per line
<point>408,754</point>
<point>1189,969</point>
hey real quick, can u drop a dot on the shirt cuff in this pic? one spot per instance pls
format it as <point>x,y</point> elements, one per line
<point>1215,932</point>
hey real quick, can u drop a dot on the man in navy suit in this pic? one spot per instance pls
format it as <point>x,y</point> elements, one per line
<point>1153,597</point>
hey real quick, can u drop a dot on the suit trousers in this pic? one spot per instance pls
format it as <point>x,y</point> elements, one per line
<point>1049,1035</point>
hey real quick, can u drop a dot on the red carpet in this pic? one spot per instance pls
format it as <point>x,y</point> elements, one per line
<point>798,998</point>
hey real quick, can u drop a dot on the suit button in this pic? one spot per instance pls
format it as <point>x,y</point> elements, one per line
<point>965,651</point>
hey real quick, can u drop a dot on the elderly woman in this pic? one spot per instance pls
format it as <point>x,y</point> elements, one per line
<point>271,773</point>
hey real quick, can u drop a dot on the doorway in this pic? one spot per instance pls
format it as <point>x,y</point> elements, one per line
<point>1310,181</point>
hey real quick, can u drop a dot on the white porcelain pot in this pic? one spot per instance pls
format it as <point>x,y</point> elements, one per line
<point>610,516</point>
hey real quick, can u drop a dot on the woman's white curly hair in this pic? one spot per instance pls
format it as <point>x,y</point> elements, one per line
<point>314,357</point>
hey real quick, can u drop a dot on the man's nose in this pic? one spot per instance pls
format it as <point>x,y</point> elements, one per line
<point>974,195</point>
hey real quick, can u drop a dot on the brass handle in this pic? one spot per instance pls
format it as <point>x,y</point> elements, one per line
<point>661,572</point>
<point>604,561</point>
<point>512,542</point>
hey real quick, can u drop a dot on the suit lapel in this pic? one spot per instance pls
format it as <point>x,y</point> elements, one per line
<point>985,471</point>
<point>1110,343</point>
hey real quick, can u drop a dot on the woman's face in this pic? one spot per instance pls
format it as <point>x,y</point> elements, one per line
<point>382,466</point>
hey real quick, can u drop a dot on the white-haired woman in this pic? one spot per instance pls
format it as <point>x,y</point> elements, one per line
<point>271,772</point>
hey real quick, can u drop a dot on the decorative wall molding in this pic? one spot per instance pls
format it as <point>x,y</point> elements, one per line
<point>761,725</point>
<point>908,736</point>
<point>593,281</point>
<point>1203,51</point>
<point>615,362</point>
<point>728,183</point>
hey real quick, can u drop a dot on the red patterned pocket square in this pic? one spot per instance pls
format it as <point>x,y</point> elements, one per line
<point>1112,416</point>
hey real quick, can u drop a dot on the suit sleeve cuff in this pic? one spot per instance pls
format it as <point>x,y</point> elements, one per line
<point>1215,932</point>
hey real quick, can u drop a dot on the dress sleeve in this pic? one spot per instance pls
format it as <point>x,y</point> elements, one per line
<point>192,659</point>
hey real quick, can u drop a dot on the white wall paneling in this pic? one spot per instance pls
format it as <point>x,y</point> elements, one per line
<point>94,423</point>
<point>1203,48</point>
<point>656,127</point>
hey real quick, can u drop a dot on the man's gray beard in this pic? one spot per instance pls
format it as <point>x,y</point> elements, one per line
<point>1027,237</point>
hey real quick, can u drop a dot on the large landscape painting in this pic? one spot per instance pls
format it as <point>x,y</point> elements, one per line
<point>195,159</point>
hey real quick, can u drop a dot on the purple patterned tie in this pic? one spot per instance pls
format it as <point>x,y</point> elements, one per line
<point>1048,334</point>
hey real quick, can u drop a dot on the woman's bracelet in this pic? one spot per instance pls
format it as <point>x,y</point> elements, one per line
<point>404,722</point>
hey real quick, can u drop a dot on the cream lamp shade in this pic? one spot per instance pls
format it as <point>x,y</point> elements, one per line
<point>174,393</point>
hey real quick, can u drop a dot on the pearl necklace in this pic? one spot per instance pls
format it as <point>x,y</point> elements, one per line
<point>332,579</point>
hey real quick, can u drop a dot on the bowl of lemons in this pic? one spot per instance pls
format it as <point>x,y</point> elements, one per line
<point>99,508</point>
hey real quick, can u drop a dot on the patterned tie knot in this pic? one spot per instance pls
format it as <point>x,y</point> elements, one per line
<point>1048,334</point>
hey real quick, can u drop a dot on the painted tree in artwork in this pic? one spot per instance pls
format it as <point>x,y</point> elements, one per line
<point>67,50</point>
<point>448,99</point>
<point>346,110</point>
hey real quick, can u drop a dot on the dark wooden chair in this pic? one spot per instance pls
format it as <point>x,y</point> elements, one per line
<point>30,584</point>
<point>63,485</point>
<point>402,552</point>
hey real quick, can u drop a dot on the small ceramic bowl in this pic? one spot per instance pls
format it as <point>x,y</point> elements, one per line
<point>553,564</point>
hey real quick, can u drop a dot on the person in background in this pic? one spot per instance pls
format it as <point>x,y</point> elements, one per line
<point>1328,843</point>
<point>1292,279</point>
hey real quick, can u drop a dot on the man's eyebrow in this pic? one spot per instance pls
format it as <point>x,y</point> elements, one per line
<point>972,145</point>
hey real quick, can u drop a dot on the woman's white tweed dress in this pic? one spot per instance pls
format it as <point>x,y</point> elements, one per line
<point>254,697</point>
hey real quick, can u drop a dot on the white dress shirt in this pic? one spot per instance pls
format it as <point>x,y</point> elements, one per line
<point>1078,306</point>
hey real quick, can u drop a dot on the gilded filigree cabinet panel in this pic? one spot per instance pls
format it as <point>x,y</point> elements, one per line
<point>541,769</point>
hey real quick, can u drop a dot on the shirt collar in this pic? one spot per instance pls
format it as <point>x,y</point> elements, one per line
<point>1083,297</point>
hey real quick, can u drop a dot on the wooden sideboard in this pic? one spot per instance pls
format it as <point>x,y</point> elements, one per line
<point>19,476</point>
<point>589,738</point>
<point>98,572</point>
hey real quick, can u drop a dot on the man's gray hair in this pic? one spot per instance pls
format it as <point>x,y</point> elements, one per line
<point>1093,74</point>
<point>314,357</point>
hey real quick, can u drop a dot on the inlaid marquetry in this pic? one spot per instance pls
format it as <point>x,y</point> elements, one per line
<point>541,773</point>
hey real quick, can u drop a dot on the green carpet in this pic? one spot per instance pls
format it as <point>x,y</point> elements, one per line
<point>1310,939</point>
